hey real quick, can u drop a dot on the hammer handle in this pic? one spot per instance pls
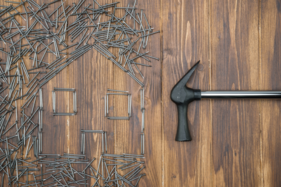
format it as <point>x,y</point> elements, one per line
<point>241,94</point>
<point>183,133</point>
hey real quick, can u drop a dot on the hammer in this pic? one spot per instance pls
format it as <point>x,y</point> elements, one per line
<point>182,96</point>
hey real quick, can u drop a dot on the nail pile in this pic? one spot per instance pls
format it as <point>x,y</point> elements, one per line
<point>47,33</point>
<point>66,170</point>
<point>122,163</point>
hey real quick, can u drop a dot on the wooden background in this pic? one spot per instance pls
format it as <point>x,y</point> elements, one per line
<point>235,142</point>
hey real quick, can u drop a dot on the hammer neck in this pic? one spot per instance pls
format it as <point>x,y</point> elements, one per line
<point>240,94</point>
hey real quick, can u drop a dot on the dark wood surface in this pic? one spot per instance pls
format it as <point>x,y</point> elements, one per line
<point>235,142</point>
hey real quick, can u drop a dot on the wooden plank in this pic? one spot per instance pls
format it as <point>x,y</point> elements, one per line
<point>185,41</point>
<point>54,137</point>
<point>270,80</point>
<point>127,133</point>
<point>236,131</point>
<point>53,133</point>
<point>13,118</point>
<point>152,99</point>
<point>91,75</point>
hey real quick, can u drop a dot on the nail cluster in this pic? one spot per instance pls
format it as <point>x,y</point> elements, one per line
<point>64,34</point>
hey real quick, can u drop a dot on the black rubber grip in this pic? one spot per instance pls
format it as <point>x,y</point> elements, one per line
<point>183,133</point>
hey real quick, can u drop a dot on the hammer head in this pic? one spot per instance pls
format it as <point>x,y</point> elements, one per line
<point>182,96</point>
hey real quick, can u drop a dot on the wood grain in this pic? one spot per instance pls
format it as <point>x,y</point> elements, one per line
<point>270,80</point>
<point>235,66</point>
<point>235,142</point>
<point>90,75</point>
<point>127,133</point>
<point>185,41</point>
